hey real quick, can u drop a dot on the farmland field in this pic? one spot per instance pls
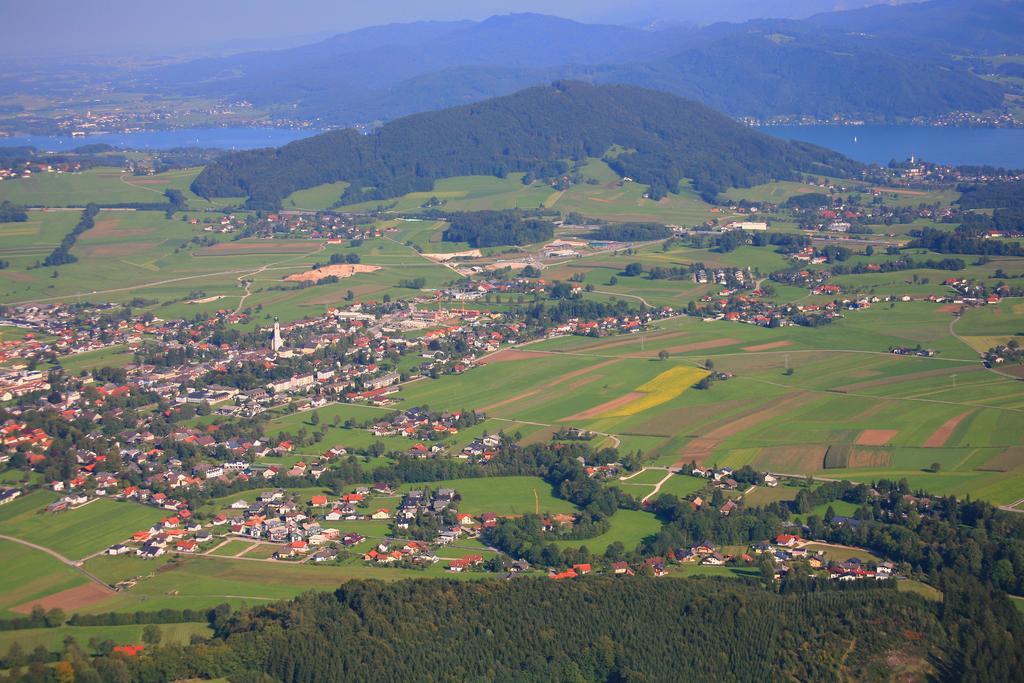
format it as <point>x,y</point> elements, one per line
<point>82,531</point>
<point>831,402</point>
<point>104,185</point>
<point>31,574</point>
<point>629,527</point>
<point>53,638</point>
<point>501,495</point>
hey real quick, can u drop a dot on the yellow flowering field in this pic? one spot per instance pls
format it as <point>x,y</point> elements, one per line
<point>663,388</point>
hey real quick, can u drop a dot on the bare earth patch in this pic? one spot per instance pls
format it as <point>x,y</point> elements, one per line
<point>941,435</point>
<point>950,308</point>
<point>441,258</point>
<point>768,347</point>
<point>69,600</point>
<point>876,437</point>
<point>339,270</point>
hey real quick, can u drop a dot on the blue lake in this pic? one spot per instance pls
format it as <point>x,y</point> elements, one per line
<point>869,144</point>
<point>217,138</point>
<point>882,143</point>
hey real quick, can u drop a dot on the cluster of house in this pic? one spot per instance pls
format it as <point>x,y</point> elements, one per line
<point>783,550</point>
<point>726,277</point>
<point>478,289</point>
<point>911,351</point>
<point>973,293</point>
<point>276,517</point>
<point>63,330</point>
<point>15,383</point>
<point>419,423</point>
<point>924,174</point>
<point>178,533</point>
<point>15,435</point>
<point>27,168</point>
<point>787,548</point>
<point>226,225</point>
<point>628,324</point>
<point>390,552</point>
<point>324,225</point>
<point>481,449</point>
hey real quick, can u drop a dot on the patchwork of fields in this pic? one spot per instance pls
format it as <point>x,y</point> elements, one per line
<point>829,402</point>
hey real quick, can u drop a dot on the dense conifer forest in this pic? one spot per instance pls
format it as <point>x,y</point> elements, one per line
<point>664,138</point>
<point>593,629</point>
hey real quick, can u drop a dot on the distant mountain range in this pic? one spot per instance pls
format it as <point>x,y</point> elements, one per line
<point>661,139</point>
<point>881,61</point>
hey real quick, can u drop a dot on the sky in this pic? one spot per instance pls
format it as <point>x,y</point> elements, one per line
<point>148,28</point>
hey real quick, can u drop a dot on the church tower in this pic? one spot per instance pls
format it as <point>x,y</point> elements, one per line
<point>275,339</point>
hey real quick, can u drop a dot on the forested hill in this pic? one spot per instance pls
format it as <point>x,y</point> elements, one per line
<point>666,139</point>
<point>594,629</point>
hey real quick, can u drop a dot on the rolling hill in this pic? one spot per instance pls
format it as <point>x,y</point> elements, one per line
<point>664,139</point>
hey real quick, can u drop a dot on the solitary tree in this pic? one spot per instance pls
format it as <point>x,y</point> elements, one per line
<point>663,354</point>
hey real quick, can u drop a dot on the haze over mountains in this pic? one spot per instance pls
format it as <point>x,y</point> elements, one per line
<point>880,61</point>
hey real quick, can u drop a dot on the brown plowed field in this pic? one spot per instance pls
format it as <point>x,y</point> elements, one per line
<point>69,600</point>
<point>876,437</point>
<point>941,435</point>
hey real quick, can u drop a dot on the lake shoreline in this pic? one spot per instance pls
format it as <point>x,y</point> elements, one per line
<point>867,143</point>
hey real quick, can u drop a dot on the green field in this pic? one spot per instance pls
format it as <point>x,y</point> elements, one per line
<point>501,495</point>
<point>845,391</point>
<point>80,532</point>
<point>629,527</point>
<point>606,197</point>
<point>31,574</point>
<point>205,581</point>
<point>53,638</point>
<point>316,198</point>
<point>104,185</point>
<point>132,255</point>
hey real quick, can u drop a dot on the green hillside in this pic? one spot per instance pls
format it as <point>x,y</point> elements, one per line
<point>662,139</point>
